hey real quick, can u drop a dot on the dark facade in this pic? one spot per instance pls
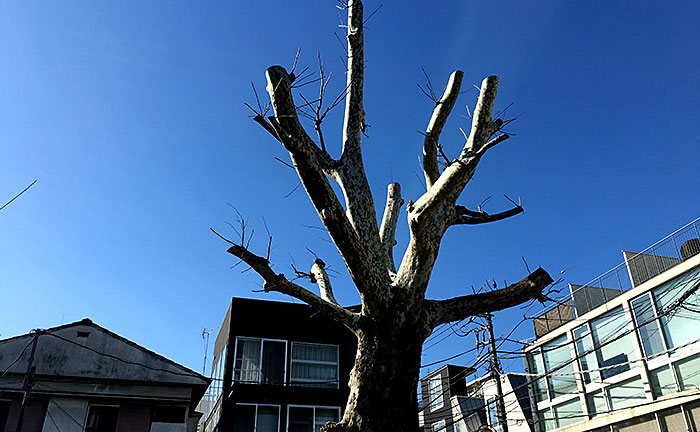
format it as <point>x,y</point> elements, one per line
<point>277,367</point>
<point>451,404</point>
<point>437,390</point>
<point>81,377</point>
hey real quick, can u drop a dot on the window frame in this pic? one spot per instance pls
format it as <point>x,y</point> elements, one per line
<point>311,382</point>
<point>97,405</point>
<point>314,407</point>
<point>262,345</point>
<point>433,400</point>
<point>279,413</point>
<point>439,426</point>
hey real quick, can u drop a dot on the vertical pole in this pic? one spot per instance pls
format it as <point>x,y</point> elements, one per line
<point>495,374</point>
<point>28,378</point>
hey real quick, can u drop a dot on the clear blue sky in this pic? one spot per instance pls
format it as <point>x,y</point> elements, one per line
<point>131,117</point>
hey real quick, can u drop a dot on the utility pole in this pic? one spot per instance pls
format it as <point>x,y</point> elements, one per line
<point>496,376</point>
<point>28,381</point>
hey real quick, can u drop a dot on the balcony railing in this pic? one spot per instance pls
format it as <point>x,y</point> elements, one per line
<point>210,407</point>
<point>638,268</point>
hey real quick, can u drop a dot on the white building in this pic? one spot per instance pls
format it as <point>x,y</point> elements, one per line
<point>622,352</point>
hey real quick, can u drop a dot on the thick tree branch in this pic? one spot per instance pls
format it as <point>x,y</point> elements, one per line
<point>351,174</point>
<point>469,217</point>
<point>458,308</point>
<point>309,162</point>
<point>432,134</point>
<point>354,123</point>
<point>319,275</point>
<point>482,125</point>
<point>456,176</point>
<point>279,283</point>
<point>388,229</point>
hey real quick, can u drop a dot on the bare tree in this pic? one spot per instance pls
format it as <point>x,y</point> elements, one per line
<point>395,317</point>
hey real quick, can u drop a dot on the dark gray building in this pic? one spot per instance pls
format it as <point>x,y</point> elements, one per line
<point>277,367</point>
<point>81,377</point>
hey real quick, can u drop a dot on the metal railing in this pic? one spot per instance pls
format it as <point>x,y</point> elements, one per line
<point>637,269</point>
<point>210,407</point>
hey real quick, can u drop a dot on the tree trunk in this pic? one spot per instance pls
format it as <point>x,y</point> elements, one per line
<point>384,381</point>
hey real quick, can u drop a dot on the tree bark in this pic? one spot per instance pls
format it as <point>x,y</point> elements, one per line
<point>384,379</point>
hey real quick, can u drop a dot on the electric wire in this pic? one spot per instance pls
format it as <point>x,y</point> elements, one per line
<point>670,309</point>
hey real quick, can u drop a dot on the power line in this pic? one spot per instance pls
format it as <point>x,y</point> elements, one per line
<point>674,306</point>
<point>18,195</point>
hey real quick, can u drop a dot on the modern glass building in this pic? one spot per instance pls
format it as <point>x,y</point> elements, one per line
<point>622,352</point>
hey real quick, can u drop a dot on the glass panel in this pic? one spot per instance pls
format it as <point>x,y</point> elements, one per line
<point>314,365</point>
<point>101,419</point>
<point>557,359</point>
<point>648,326</point>
<point>268,419</point>
<point>584,349</point>
<point>325,415</point>
<point>247,368</point>
<point>680,325</point>
<point>569,413</point>
<point>672,420</point>
<point>435,385</point>
<point>301,419</point>
<point>627,393</point>
<point>315,352</point>
<point>596,403</point>
<point>614,341</point>
<point>244,418</point>
<point>688,371</point>
<point>439,426</point>
<point>273,362</point>
<point>662,382</point>
<point>537,367</point>
<point>546,420</point>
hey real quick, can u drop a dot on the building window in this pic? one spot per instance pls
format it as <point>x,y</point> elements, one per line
<point>554,357</point>
<point>568,413</point>
<point>613,342</point>
<point>260,361</point>
<point>662,381</point>
<point>256,418</point>
<point>493,416</point>
<point>557,360</point>
<point>168,414</point>
<point>435,393</point>
<point>586,354</point>
<point>102,418</point>
<point>679,321</point>
<point>536,364</point>
<point>314,365</point>
<point>647,325</point>
<point>626,394</point>
<point>439,426</point>
<point>662,323</point>
<point>310,418</point>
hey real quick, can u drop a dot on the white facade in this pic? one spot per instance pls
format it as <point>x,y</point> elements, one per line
<point>632,363</point>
